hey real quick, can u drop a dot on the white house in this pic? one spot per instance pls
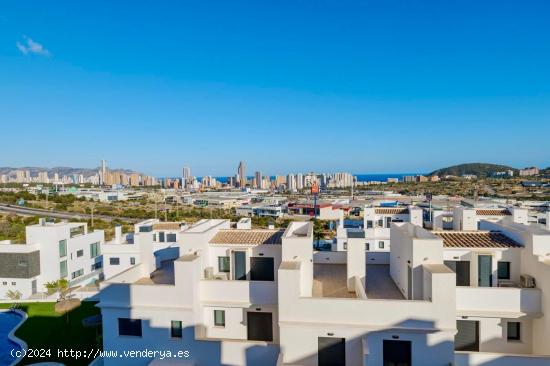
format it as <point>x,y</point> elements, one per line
<point>52,251</point>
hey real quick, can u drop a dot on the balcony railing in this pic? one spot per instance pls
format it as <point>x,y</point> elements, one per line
<point>506,300</point>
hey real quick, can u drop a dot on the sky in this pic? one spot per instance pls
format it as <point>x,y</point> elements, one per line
<point>285,86</point>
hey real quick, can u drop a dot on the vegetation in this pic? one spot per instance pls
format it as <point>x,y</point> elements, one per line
<point>12,227</point>
<point>479,169</point>
<point>56,286</point>
<point>46,329</point>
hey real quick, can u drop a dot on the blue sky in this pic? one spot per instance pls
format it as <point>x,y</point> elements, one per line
<point>286,86</point>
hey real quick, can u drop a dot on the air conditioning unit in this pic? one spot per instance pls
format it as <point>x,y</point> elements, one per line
<point>208,273</point>
<point>527,281</point>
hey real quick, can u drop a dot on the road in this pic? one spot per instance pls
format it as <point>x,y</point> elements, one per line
<point>26,211</point>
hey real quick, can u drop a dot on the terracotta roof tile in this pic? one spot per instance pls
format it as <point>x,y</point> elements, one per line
<point>167,226</point>
<point>247,237</point>
<point>493,212</point>
<point>480,239</point>
<point>391,211</point>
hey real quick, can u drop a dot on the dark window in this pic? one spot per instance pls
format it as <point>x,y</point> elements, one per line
<point>381,223</point>
<point>114,261</point>
<point>261,269</point>
<point>259,326</point>
<point>176,329</point>
<point>132,261</point>
<point>161,236</point>
<point>388,221</point>
<point>80,253</point>
<point>503,270</point>
<point>331,351</point>
<point>129,327</point>
<point>219,318</point>
<point>513,331</point>
<point>369,224</point>
<point>223,264</point>
<point>462,270</point>
<point>467,337</point>
<point>145,229</point>
<point>381,244</point>
<point>397,353</point>
<point>171,238</point>
<point>368,246</point>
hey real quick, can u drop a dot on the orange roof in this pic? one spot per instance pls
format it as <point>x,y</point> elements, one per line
<point>391,211</point>
<point>167,226</point>
<point>493,212</point>
<point>478,239</point>
<point>256,237</point>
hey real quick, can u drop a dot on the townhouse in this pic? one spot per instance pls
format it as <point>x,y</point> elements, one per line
<point>233,295</point>
<point>52,251</point>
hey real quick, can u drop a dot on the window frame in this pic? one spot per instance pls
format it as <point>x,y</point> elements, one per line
<point>176,332</point>
<point>222,313</point>
<point>508,266</point>
<point>62,244</point>
<point>117,261</point>
<point>221,268</point>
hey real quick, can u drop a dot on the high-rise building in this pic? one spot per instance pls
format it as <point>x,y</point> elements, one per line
<point>103,172</point>
<point>258,177</point>
<point>241,174</point>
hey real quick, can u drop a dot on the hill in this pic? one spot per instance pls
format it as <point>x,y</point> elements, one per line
<point>479,169</point>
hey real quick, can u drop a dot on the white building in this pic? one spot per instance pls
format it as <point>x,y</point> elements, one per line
<point>52,251</point>
<point>264,297</point>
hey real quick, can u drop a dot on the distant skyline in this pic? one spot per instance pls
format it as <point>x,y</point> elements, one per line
<point>286,86</point>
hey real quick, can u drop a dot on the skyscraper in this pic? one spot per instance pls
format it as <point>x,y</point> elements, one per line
<point>186,176</point>
<point>103,172</point>
<point>241,174</point>
<point>258,177</point>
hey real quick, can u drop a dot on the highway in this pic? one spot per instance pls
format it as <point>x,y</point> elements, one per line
<point>26,211</point>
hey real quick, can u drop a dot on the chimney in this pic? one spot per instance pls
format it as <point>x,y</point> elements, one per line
<point>118,234</point>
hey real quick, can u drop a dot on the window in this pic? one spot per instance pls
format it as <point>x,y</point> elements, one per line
<point>94,250</point>
<point>145,229</point>
<point>388,222</point>
<point>513,331</point>
<point>381,244</point>
<point>129,327</point>
<point>132,260</point>
<point>381,223</point>
<point>14,283</point>
<point>223,264</point>
<point>78,273</point>
<point>176,329</point>
<point>62,248</point>
<point>171,238</point>
<point>4,283</point>
<point>345,245</point>
<point>96,266</point>
<point>22,263</point>
<point>503,270</point>
<point>63,269</point>
<point>114,261</point>
<point>161,236</point>
<point>80,253</point>
<point>261,269</point>
<point>368,246</point>
<point>369,224</point>
<point>219,318</point>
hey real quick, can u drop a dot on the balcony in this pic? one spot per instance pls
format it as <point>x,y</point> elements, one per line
<point>238,292</point>
<point>504,302</point>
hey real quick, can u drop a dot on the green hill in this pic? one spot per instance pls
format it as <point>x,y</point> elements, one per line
<point>479,169</point>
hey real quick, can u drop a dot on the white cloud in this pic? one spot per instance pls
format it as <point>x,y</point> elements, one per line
<point>31,47</point>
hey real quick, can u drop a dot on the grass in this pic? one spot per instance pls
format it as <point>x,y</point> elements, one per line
<point>46,329</point>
